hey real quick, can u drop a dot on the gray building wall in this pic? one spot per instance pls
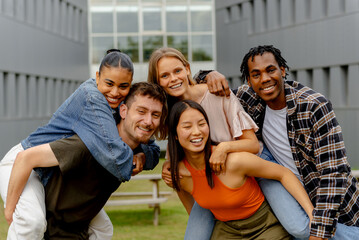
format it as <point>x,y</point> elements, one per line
<point>318,38</point>
<point>44,58</point>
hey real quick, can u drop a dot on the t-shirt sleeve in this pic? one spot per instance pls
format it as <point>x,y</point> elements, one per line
<point>70,152</point>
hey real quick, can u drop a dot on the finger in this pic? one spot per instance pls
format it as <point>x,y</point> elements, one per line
<point>223,167</point>
<point>227,91</point>
<point>219,89</point>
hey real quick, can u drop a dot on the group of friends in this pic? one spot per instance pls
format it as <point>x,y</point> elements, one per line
<point>264,161</point>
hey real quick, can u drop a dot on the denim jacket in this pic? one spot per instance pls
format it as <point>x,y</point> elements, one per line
<point>87,114</point>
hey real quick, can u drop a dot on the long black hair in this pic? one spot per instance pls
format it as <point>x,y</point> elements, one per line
<point>176,152</point>
<point>115,58</point>
<point>260,50</point>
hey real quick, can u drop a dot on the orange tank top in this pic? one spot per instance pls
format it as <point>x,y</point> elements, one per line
<point>225,203</point>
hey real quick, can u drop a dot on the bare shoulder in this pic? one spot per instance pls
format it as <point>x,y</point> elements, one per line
<point>237,161</point>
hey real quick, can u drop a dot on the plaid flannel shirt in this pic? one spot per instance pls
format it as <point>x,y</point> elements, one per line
<point>319,153</point>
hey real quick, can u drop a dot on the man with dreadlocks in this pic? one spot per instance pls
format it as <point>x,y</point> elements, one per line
<point>300,131</point>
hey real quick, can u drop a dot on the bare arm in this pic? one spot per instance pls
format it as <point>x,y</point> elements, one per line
<point>217,84</point>
<point>39,156</point>
<point>186,199</point>
<point>248,142</point>
<point>252,165</point>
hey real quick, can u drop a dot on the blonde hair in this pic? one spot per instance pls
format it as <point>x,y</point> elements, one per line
<point>166,52</point>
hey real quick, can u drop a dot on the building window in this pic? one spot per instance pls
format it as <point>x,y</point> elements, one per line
<point>129,45</point>
<point>202,48</point>
<point>152,19</point>
<point>176,19</point>
<point>201,18</point>
<point>127,19</point>
<point>179,42</point>
<point>102,19</point>
<point>99,47</point>
<point>151,43</point>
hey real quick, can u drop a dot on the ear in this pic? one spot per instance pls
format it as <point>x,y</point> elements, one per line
<point>282,70</point>
<point>97,77</point>
<point>123,111</point>
<point>249,82</point>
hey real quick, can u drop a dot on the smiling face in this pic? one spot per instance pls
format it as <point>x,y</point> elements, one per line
<point>139,120</point>
<point>266,78</point>
<point>173,76</point>
<point>114,83</point>
<point>192,131</point>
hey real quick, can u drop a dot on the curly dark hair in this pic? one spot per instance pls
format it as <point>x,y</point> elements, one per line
<point>259,50</point>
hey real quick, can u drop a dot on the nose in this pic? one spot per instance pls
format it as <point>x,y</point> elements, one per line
<point>265,77</point>
<point>195,130</point>
<point>172,77</point>
<point>147,119</point>
<point>115,91</point>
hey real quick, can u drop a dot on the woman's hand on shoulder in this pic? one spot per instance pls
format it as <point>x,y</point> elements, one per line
<point>166,172</point>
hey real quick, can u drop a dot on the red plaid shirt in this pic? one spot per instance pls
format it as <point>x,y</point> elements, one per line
<point>319,153</point>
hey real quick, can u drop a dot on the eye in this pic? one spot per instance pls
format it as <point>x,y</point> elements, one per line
<point>156,115</point>
<point>109,84</point>
<point>164,76</point>
<point>271,70</point>
<point>124,87</point>
<point>178,70</point>
<point>256,75</point>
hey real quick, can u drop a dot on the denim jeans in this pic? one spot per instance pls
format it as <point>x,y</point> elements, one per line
<point>286,208</point>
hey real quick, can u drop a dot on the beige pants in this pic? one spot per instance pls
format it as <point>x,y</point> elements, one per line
<point>29,218</point>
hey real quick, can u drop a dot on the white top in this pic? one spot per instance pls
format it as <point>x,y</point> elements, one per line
<point>275,136</point>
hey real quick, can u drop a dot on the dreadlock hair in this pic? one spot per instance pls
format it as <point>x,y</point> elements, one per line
<point>260,50</point>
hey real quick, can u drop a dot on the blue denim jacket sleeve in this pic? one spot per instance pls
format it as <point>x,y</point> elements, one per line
<point>152,153</point>
<point>96,127</point>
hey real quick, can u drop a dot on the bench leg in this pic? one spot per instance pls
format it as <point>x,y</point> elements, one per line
<point>156,212</point>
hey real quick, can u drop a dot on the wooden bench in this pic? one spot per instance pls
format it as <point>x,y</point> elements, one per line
<point>154,198</point>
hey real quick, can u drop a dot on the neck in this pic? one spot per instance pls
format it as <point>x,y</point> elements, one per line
<point>125,138</point>
<point>196,160</point>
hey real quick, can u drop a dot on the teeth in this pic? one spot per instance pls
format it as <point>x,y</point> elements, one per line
<point>268,88</point>
<point>144,129</point>
<point>176,86</point>
<point>112,99</point>
<point>196,140</point>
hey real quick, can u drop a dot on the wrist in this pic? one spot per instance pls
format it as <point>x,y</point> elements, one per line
<point>200,77</point>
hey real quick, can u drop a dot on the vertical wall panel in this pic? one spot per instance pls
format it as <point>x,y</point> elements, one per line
<point>337,89</point>
<point>63,12</point>
<point>50,96</point>
<point>30,11</point>
<point>301,11</point>
<point>259,15</point>
<point>351,5</point>
<point>32,96</point>
<point>353,85</point>
<point>20,10</point>
<point>304,77</point>
<point>8,7</point>
<point>287,12</point>
<point>70,21</point>
<point>335,7</point>
<point>273,14</point>
<point>2,95</point>
<point>320,81</point>
<point>318,9</point>
<point>56,16</point>
<point>248,14</point>
<point>40,13</point>
<point>41,105</point>
<point>10,93</point>
<point>21,99</point>
<point>76,23</point>
<point>57,93</point>
<point>48,14</point>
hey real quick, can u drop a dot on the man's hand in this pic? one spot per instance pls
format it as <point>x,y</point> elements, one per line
<point>217,84</point>
<point>166,173</point>
<point>8,215</point>
<point>139,161</point>
<point>218,158</point>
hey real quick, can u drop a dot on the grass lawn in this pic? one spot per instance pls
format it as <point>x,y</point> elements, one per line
<point>136,222</point>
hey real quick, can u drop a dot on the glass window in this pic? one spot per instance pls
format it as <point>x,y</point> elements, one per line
<point>200,0</point>
<point>102,1</point>
<point>129,45</point>
<point>152,19</point>
<point>176,18</point>
<point>151,43</point>
<point>201,18</point>
<point>127,19</point>
<point>152,1</point>
<point>180,43</point>
<point>101,19</point>
<point>121,1</point>
<point>99,47</point>
<point>202,48</point>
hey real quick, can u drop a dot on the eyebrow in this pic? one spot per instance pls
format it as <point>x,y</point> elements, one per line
<point>269,66</point>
